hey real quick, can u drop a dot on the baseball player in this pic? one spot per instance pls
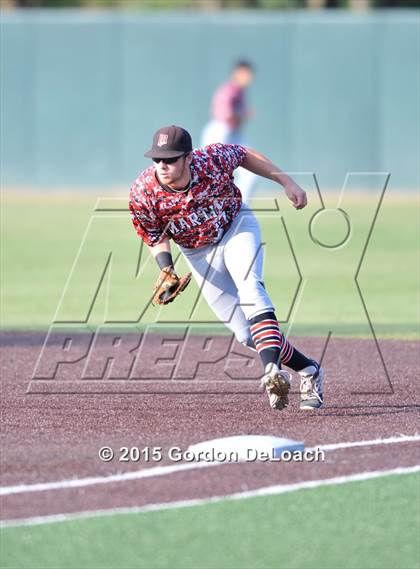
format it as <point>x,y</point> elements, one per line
<point>229,112</point>
<point>190,196</point>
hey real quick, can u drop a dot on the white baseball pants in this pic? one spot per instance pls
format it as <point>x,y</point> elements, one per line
<point>230,274</point>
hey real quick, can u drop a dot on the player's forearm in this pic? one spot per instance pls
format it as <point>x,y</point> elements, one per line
<point>259,164</point>
<point>162,253</point>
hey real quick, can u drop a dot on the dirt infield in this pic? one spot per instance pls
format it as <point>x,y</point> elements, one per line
<point>52,429</point>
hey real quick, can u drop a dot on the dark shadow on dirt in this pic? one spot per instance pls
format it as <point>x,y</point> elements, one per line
<point>18,339</point>
<point>352,410</point>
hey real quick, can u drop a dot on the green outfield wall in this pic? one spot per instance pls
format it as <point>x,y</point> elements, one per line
<point>83,91</point>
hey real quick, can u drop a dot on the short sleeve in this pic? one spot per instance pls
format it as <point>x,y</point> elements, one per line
<point>144,220</point>
<point>227,156</point>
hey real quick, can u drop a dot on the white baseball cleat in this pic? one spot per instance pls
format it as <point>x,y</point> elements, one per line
<point>276,382</point>
<point>311,387</point>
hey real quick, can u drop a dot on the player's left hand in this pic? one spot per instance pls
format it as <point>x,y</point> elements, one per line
<point>296,195</point>
<point>168,286</point>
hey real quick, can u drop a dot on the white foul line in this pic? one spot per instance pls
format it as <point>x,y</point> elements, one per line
<point>389,441</point>
<point>90,481</point>
<point>172,469</point>
<point>266,491</point>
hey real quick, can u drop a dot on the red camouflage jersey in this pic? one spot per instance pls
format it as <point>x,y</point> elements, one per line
<point>199,216</point>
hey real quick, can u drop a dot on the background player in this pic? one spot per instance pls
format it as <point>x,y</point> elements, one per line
<point>190,196</point>
<point>229,113</point>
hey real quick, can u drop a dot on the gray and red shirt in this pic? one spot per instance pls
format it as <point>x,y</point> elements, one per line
<point>199,216</point>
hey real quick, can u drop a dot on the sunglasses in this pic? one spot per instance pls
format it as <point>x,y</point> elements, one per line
<point>166,160</point>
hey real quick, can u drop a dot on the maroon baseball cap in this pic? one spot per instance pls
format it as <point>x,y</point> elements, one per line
<point>170,142</point>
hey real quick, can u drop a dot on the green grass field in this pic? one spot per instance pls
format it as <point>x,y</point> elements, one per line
<point>372,524</point>
<point>42,235</point>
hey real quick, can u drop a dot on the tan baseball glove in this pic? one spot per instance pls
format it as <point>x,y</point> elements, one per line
<point>169,285</point>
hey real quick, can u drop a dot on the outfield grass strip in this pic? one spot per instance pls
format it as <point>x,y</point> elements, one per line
<point>326,304</point>
<point>173,469</point>
<point>265,491</point>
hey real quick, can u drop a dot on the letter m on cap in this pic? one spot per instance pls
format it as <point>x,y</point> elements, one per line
<point>163,139</point>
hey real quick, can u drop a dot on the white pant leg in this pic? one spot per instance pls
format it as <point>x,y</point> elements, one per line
<point>217,287</point>
<point>244,256</point>
<point>246,182</point>
<point>216,131</point>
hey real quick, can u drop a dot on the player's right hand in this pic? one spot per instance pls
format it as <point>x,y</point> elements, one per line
<point>296,195</point>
